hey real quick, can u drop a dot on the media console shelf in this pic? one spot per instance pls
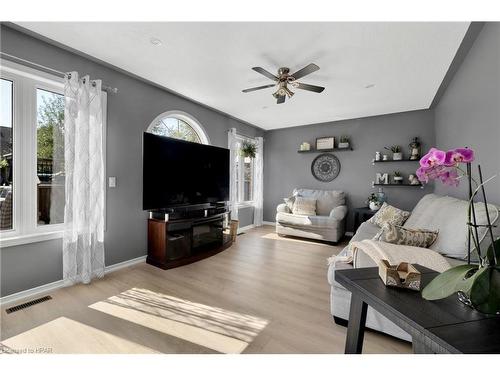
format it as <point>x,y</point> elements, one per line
<point>178,242</point>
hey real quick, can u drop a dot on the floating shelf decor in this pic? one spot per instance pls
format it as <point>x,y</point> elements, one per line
<point>328,150</point>
<point>390,161</point>
<point>398,185</point>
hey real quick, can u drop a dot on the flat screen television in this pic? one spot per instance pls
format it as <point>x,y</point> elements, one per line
<point>180,173</point>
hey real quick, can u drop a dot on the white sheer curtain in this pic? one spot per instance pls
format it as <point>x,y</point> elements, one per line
<point>232,144</point>
<point>258,183</point>
<point>83,242</point>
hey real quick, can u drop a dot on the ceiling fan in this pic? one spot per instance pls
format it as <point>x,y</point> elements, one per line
<point>284,79</point>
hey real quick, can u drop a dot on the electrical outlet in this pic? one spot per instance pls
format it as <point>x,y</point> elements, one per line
<point>112,182</point>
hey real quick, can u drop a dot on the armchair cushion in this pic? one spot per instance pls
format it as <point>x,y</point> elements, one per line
<point>306,221</point>
<point>326,200</point>
<point>339,212</point>
<point>304,206</point>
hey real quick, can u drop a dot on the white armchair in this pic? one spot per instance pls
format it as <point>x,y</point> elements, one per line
<point>328,224</point>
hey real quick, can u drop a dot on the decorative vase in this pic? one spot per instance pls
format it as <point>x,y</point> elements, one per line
<point>374,206</point>
<point>397,156</point>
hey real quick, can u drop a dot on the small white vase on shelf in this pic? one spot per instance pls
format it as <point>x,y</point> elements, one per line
<point>397,156</point>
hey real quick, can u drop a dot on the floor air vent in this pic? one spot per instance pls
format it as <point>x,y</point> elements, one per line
<point>27,304</point>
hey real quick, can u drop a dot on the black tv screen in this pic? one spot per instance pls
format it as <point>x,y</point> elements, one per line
<point>179,173</point>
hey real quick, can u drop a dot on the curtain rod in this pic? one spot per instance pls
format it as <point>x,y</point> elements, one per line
<point>46,69</point>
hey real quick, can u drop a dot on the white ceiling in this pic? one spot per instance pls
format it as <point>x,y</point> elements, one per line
<point>210,63</point>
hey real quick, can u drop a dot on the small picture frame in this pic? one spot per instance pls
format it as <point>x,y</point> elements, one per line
<point>325,143</point>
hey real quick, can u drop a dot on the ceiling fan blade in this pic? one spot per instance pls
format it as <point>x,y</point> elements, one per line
<point>259,88</point>
<point>305,86</point>
<point>264,72</point>
<point>311,68</point>
<point>281,99</point>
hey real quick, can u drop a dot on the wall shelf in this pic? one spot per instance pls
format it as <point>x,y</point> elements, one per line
<point>392,161</point>
<point>398,185</point>
<point>329,150</point>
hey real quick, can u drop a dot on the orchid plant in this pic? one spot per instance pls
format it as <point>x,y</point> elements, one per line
<point>445,166</point>
<point>477,285</point>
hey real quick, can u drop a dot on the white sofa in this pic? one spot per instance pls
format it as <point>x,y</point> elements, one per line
<point>328,224</point>
<point>446,214</point>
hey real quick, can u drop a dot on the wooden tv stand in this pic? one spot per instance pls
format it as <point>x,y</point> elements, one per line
<point>178,242</point>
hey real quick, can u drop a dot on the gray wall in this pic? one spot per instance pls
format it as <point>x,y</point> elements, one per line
<point>469,111</point>
<point>129,114</point>
<point>285,169</point>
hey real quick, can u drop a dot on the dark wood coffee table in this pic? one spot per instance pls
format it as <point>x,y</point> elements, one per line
<point>444,326</point>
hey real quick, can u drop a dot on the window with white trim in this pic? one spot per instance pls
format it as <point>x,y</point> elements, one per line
<point>32,178</point>
<point>179,125</point>
<point>245,166</point>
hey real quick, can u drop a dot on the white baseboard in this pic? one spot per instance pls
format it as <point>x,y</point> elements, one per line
<point>25,294</point>
<point>127,263</point>
<point>269,223</point>
<point>47,288</point>
<point>242,229</point>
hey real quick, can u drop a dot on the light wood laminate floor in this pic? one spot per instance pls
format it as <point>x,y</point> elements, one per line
<point>265,294</point>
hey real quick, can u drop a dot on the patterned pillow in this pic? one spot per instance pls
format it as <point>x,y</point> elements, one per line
<point>289,201</point>
<point>304,206</point>
<point>389,214</point>
<point>403,236</point>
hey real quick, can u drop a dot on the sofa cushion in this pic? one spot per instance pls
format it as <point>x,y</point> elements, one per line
<point>301,220</point>
<point>449,216</point>
<point>304,206</point>
<point>396,234</point>
<point>326,200</point>
<point>389,214</point>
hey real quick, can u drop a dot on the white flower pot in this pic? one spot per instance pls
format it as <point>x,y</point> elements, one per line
<point>398,180</point>
<point>397,156</point>
<point>374,206</point>
<point>344,145</point>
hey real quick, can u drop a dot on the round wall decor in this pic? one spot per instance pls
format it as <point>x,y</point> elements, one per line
<point>325,167</point>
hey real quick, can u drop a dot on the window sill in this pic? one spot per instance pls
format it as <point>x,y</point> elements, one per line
<point>30,238</point>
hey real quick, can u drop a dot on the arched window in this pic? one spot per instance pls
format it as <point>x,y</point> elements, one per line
<point>179,125</point>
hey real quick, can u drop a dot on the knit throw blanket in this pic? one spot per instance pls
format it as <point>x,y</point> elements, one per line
<point>395,254</point>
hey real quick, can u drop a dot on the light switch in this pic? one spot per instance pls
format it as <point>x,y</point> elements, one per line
<point>112,182</point>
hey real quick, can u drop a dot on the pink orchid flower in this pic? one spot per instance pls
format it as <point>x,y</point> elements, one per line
<point>443,166</point>
<point>449,177</point>
<point>433,157</point>
<point>459,155</point>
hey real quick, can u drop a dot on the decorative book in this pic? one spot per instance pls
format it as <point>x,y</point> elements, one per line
<point>403,275</point>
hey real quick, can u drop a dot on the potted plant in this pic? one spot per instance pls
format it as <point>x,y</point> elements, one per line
<point>344,141</point>
<point>396,152</point>
<point>477,285</point>
<point>373,202</point>
<point>398,178</point>
<point>248,150</point>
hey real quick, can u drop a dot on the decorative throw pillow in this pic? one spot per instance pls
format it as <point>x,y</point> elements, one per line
<point>389,214</point>
<point>289,201</point>
<point>304,206</point>
<point>403,236</point>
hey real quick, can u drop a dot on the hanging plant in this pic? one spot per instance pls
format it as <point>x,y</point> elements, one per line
<point>248,149</point>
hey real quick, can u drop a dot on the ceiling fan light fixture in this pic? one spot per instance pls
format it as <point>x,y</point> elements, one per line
<point>284,78</point>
